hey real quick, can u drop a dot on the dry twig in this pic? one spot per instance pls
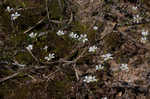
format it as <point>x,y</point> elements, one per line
<point>9,77</point>
<point>32,55</point>
<point>39,22</point>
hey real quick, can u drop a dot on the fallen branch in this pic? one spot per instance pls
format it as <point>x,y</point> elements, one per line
<point>20,71</point>
<point>39,22</point>
<point>9,77</point>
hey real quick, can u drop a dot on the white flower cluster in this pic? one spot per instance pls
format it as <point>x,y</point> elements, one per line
<point>144,36</point>
<point>99,67</point>
<point>50,56</point>
<point>83,38</point>
<point>92,48</point>
<point>134,8</point>
<point>33,35</point>
<point>74,35</point>
<point>144,33</point>
<point>124,67</point>
<point>15,15</point>
<point>89,79</point>
<point>137,18</point>
<point>29,47</point>
<point>107,56</point>
<point>104,98</point>
<point>60,33</point>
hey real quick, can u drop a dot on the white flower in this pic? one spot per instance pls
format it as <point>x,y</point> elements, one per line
<point>29,47</point>
<point>99,67</point>
<point>89,79</point>
<point>60,33</point>
<point>144,33</point>
<point>71,35</point>
<point>33,35</point>
<point>95,28</point>
<point>92,48</point>
<point>9,9</point>
<point>14,16</point>
<point>134,8</point>
<point>143,39</point>
<point>50,56</point>
<point>74,35</point>
<point>104,98</point>
<point>124,67</point>
<point>137,18</point>
<point>45,47</point>
<point>107,56</point>
<point>83,38</point>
